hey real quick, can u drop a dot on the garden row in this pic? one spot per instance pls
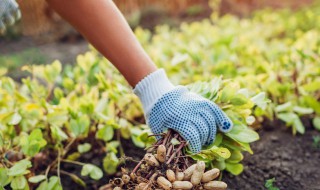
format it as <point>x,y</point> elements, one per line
<point>57,114</point>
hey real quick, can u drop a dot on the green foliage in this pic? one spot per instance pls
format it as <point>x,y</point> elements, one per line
<point>316,141</point>
<point>226,151</point>
<point>55,109</point>
<point>93,171</point>
<point>269,184</point>
<point>57,114</point>
<point>16,60</point>
<point>273,52</point>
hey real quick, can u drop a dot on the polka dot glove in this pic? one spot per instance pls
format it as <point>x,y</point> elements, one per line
<point>195,118</point>
<point>9,13</point>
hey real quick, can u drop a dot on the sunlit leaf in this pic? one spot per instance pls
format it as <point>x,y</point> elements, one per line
<point>19,168</point>
<point>37,179</point>
<point>234,168</point>
<point>82,148</point>
<point>316,122</point>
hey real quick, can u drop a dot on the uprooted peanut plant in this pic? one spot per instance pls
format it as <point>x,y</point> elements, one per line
<point>167,166</point>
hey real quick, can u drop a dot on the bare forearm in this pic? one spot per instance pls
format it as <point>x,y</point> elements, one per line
<point>106,29</point>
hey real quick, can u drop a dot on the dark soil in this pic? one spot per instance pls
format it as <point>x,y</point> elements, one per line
<point>292,160</point>
<point>96,158</point>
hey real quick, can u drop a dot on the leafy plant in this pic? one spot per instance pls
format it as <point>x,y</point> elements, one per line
<point>59,114</point>
<point>316,141</point>
<point>262,53</point>
<point>238,103</point>
<point>269,184</point>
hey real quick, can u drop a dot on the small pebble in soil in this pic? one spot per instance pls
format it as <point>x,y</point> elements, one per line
<point>274,138</point>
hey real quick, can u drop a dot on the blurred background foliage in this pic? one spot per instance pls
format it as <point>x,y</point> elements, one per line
<point>274,54</point>
<point>41,30</point>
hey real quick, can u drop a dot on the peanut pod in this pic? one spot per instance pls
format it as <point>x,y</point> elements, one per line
<point>141,186</point>
<point>161,153</point>
<point>164,183</point>
<point>210,175</point>
<point>197,173</point>
<point>179,176</point>
<point>182,185</point>
<point>215,185</point>
<point>170,175</point>
<point>133,176</point>
<point>188,172</point>
<point>125,178</point>
<point>151,160</point>
<point>118,182</point>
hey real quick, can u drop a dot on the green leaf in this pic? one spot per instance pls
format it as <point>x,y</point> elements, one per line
<point>234,168</point>
<point>110,163</point>
<point>19,168</point>
<point>43,186</point>
<point>57,133</point>
<point>112,146</point>
<point>82,148</point>
<point>105,132</point>
<point>227,93</point>
<point>260,100</point>
<point>93,171</point>
<point>245,135</point>
<point>239,100</point>
<point>174,141</point>
<point>15,119</point>
<point>54,183</point>
<point>37,178</point>
<point>269,184</point>
<point>284,107</point>
<point>19,182</point>
<point>316,122</point>
<point>294,120</point>
<point>215,153</point>
<point>220,164</point>
<point>137,141</point>
<point>78,180</point>
<point>236,156</point>
<point>288,117</point>
<point>297,124</point>
<point>57,117</point>
<point>4,178</point>
<point>80,125</point>
<point>311,87</point>
<point>313,103</point>
<point>302,110</point>
<point>32,144</point>
<point>52,71</point>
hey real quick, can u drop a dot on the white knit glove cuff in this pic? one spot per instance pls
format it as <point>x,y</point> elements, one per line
<point>152,88</point>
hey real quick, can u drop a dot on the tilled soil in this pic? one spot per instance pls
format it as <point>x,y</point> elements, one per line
<point>292,160</point>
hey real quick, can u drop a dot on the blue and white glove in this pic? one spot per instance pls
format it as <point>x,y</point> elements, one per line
<point>192,116</point>
<point>9,13</point>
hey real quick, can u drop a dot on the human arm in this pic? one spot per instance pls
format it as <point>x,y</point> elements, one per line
<point>165,105</point>
<point>106,29</point>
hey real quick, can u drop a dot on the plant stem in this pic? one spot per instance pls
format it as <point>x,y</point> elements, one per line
<point>120,145</point>
<point>73,162</point>
<point>58,167</point>
<point>66,150</point>
<point>167,137</point>
<point>175,152</point>
<point>137,166</point>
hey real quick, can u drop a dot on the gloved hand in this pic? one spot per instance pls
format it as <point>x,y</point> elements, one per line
<point>9,13</point>
<point>192,116</point>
